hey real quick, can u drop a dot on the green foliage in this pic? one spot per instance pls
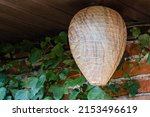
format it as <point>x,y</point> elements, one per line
<point>135,32</point>
<point>6,48</point>
<point>63,74</point>
<point>62,38</point>
<point>2,93</point>
<point>57,91</point>
<point>72,83</point>
<point>39,85</point>
<point>52,64</point>
<point>57,51</point>
<point>97,93</point>
<point>22,95</point>
<point>35,55</point>
<point>48,98</point>
<point>31,88</point>
<point>73,94</point>
<point>13,83</point>
<point>126,75</point>
<point>113,88</point>
<point>144,39</point>
<point>9,98</point>
<point>51,76</point>
<point>132,87</point>
<point>48,64</point>
<point>39,95</point>
<point>25,45</point>
<point>3,79</point>
<point>69,62</point>
<point>148,58</point>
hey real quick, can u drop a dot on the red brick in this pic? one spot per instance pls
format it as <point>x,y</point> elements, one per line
<point>140,98</point>
<point>20,65</point>
<point>133,98</point>
<point>137,69</point>
<point>21,55</point>
<point>144,85</point>
<point>121,93</point>
<point>132,49</point>
<point>74,74</point>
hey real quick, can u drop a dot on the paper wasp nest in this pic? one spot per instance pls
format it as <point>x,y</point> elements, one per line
<point>97,39</point>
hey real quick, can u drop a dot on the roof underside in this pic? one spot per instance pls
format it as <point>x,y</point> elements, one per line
<point>31,19</point>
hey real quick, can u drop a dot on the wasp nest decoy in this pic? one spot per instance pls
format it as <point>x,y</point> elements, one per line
<point>97,39</point>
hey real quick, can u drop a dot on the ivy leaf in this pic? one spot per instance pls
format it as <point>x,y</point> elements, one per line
<point>73,94</point>
<point>3,79</point>
<point>35,55</point>
<point>2,93</point>
<point>9,98</point>
<point>61,38</point>
<point>46,43</point>
<point>47,39</point>
<point>126,75</point>
<point>52,64</point>
<point>39,95</point>
<point>18,77</point>
<point>148,58</point>
<point>48,98</point>
<point>114,89</point>
<point>51,76</point>
<point>57,90</point>
<point>30,83</point>
<point>97,93</point>
<point>82,96</point>
<point>72,83</point>
<point>13,84</point>
<point>25,45</point>
<point>41,80</point>
<point>89,86</point>
<point>1,84</point>
<point>57,51</point>
<point>43,44</point>
<point>22,95</point>
<point>7,48</point>
<point>80,81</point>
<point>69,62</point>
<point>39,84</point>
<point>144,39</point>
<point>64,37</point>
<point>64,73</point>
<point>1,68</point>
<point>34,84</point>
<point>132,87</point>
<point>135,32</point>
<point>13,92</point>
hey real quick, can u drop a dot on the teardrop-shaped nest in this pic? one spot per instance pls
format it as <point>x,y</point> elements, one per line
<point>97,39</point>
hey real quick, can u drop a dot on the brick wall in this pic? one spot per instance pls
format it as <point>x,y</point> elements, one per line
<point>132,68</point>
<point>137,70</point>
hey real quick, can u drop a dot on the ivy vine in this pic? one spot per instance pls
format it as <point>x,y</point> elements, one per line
<point>38,71</point>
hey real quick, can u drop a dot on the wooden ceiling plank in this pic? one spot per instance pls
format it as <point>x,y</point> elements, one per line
<point>26,17</point>
<point>35,14</point>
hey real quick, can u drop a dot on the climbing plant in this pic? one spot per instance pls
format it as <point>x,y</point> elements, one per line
<point>40,71</point>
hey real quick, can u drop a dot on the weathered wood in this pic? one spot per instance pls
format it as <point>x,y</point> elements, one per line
<point>136,11</point>
<point>22,19</point>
